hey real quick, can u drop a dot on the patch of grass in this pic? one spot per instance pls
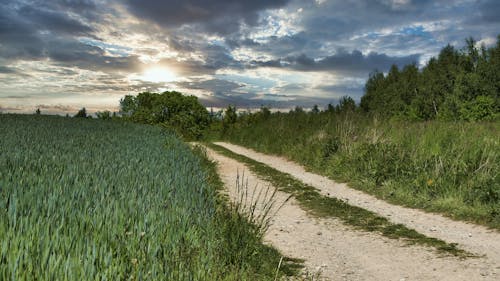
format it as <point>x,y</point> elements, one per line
<point>448,167</point>
<point>244,237</point>
<point>315,203</point>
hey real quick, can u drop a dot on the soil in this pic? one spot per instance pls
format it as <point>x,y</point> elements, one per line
<point>334,251</point>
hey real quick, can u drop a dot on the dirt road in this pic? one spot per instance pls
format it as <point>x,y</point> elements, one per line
<point>341,253</point>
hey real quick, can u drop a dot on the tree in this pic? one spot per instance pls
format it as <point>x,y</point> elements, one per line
<point>264,112</point>
<point>38,112</point>
<point>457,84</point>
<point>230,115</point>
<point>330,108</point>
<point>372,99</point>
<point>104,115</point>
<point>128,105</point>
<point>172,109</point>
<point>82,113</point>
<point>346,104</point>
<point>315,109</point>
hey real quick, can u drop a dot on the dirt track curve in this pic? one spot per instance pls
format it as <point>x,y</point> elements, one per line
<point>338,252</point>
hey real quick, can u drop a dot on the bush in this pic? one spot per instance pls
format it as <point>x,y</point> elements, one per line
<point>183,114</point>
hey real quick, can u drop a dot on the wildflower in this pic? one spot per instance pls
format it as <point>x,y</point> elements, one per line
<point>430,182</point>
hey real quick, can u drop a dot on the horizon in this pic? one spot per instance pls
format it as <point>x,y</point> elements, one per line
<point>62,55</point>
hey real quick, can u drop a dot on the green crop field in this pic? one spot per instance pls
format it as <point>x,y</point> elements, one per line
<point>102,200</point>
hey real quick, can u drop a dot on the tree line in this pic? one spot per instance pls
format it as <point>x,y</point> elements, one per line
<point>456,85</point>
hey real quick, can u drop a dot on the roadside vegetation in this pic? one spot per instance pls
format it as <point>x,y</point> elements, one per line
<point>438,166</point>
<point>426,138</point>
<point>88,199</point>
<point>322,206</point>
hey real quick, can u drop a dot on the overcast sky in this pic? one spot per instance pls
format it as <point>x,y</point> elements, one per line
<point>61,55</point>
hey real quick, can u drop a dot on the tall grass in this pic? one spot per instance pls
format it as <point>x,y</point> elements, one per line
<point>446,167</point>
<point>98,200</point>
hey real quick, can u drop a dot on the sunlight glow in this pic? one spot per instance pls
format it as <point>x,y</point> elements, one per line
<point>158,75</point>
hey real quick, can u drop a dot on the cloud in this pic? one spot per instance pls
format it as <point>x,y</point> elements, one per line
<point>9,108</point>
<point>212,85</point>
<point>273,52</point>
<point>490,11</point>
<point>353,63</point>
<point>26,31</point>
<point>54,21</point>
<point>252,100</point>
<point>210,59</point>
<point>218,16</point>
<point>74,53</point>
<point>7,70</point>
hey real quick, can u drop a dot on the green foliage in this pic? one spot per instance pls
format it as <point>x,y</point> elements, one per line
<point>439,166</point>
<point>457,85</point>
<point>230,115</point>
<point>480,108</point>
<point>38,112</point>
<point>174,110</point>
<point>346,104</point>
<point>82,113</point>
<point>315,109</point>
<point>92,200</point>
<point>104,115</point>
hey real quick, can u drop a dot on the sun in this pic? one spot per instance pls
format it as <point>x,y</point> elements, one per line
<point>158,75</point>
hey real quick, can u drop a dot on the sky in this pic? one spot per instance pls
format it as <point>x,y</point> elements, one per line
<point>61,55</point>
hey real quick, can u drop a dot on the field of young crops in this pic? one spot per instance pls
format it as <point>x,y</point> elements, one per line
<point>102,200</point>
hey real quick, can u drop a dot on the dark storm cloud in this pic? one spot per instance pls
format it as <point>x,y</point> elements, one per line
<point>490,11</point>
<point>10,71</point>
<point>74,53</point>
<point>359,24</point>
<point>53,21</point>
<point>43,30</point>
<point>277,46</point>
<point>7,70</point>
<point>18,37</point>
<point>343,62</point>
<point>339,18</point>
<point>220,16</point>
<point>27,31</point>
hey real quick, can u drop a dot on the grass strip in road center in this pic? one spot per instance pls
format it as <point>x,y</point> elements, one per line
<point>322,206</point>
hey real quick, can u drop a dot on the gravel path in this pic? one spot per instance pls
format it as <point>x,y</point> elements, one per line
<point>340,252</point>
